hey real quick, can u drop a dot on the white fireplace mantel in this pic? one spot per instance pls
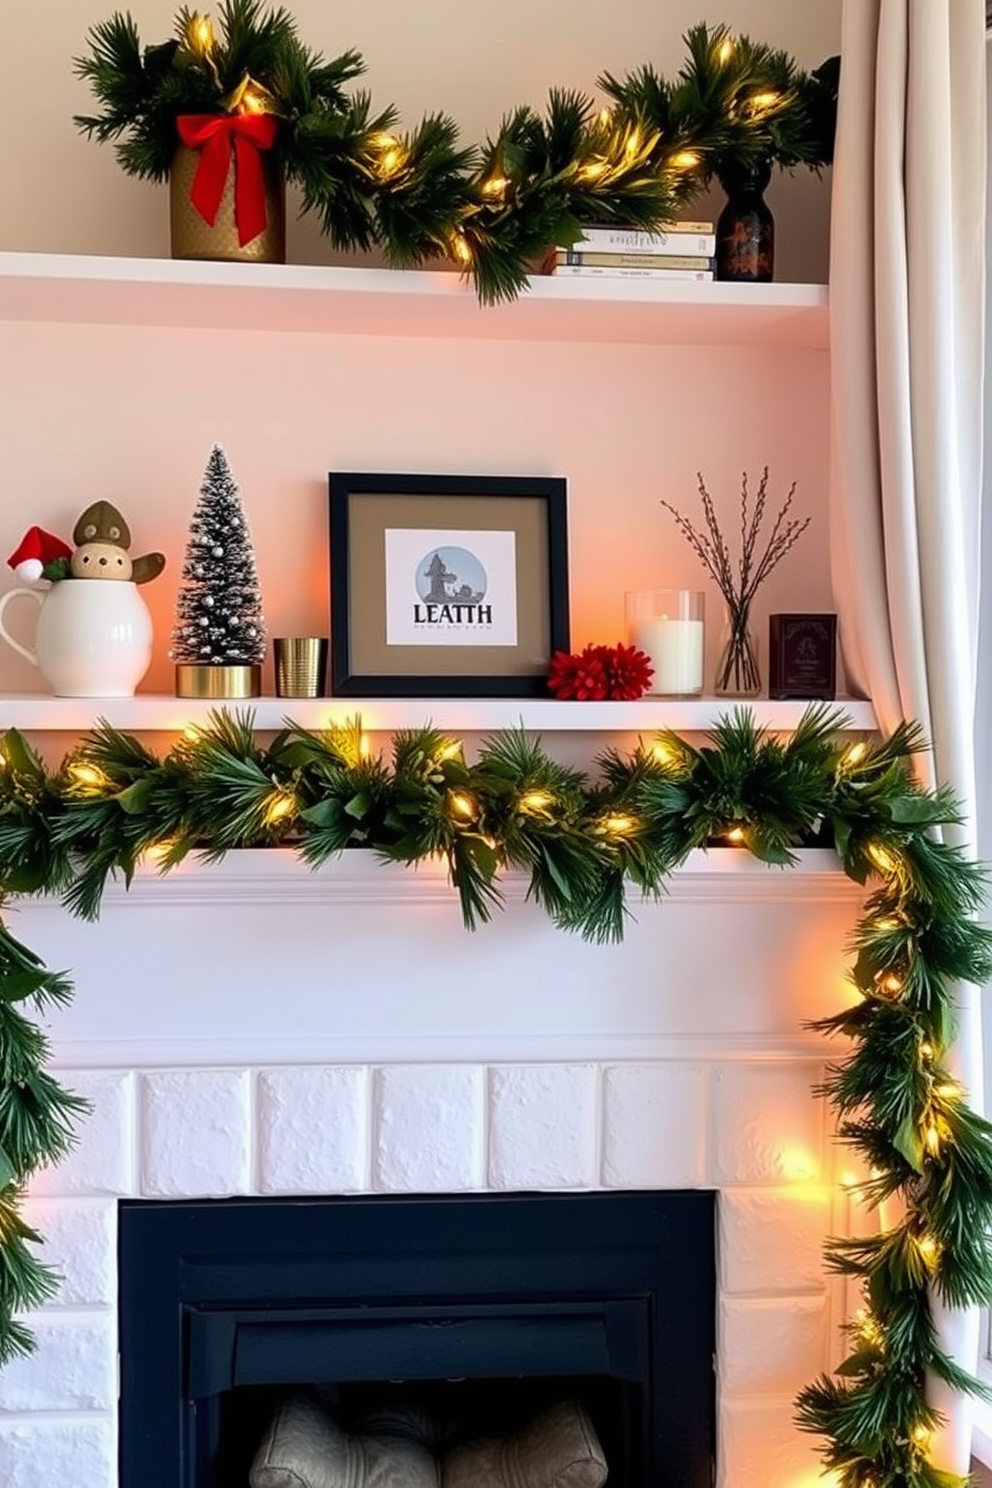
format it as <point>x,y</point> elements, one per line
<point>258,958</point>
<point>154,713</point>
<point>256,1027</point>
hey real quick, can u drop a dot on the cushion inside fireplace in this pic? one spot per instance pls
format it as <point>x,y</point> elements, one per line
<point>304,1447</point>
<point>556,1448</point>
<point>401,1445</point>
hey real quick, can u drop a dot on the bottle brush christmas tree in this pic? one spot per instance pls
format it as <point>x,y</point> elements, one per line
<point>218,642</point>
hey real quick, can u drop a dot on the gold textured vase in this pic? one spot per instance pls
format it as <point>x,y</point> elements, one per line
<point>210,681</point>
<point>192,237</point>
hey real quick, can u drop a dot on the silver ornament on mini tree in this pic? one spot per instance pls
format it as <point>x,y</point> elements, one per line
<point>219,606</point>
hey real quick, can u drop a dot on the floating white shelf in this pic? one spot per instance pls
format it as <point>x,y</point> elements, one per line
<point>150,713</point>
<point>389,302</point>
<point>279,298</point>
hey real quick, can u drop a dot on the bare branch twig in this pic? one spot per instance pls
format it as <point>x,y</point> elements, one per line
<point>739,587</point>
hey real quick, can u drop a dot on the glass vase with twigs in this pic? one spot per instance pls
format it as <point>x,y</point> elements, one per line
<point>738,673</point>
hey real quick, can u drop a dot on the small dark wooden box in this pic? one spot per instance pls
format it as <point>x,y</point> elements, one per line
<point>802,653</point>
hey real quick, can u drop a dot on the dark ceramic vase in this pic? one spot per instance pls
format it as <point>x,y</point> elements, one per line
<point>745,229</point>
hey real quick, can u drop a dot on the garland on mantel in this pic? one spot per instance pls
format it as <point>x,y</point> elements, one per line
<point>112,804</point>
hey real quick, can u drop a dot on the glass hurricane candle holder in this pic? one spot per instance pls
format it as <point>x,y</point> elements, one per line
<point>667,624</point>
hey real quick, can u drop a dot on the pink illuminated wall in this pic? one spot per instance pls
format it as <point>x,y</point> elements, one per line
<point>129,414</point>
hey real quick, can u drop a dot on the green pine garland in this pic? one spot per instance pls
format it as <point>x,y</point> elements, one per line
<point>580,843</point>
<point>495,210</point>
<point>749,101</point>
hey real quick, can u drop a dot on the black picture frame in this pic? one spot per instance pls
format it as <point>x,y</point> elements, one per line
<point>365,507</point>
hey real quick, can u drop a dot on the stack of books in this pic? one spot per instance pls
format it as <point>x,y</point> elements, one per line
<point>685,250</point>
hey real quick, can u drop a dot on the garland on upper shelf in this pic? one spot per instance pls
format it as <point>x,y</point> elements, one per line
<point>112,803</point>
<point>496,209</point>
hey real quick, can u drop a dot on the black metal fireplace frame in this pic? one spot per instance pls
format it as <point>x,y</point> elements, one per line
<point>239,1295</point>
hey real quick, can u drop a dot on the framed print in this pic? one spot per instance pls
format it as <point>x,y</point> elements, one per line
<point>446,585</point>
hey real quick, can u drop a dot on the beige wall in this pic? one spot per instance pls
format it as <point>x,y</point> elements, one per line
<point>62,193</point>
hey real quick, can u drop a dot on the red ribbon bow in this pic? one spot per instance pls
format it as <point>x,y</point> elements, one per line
<point>217,137</point>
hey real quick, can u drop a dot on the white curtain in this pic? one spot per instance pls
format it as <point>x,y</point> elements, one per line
<point>907,284</point>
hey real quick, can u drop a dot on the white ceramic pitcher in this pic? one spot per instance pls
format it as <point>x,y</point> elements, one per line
<point>93,637</point>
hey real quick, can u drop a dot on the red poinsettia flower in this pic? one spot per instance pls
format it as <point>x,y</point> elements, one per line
<point>596,672</point>
<point>581,677</point>
<point>628,672</point>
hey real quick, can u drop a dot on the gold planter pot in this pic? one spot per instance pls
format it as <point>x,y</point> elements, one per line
<point>209,681</point>
<point>192,237</point>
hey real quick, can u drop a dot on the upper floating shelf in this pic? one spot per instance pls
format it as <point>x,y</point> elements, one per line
<point>390,302</point>
<point>152,713</point>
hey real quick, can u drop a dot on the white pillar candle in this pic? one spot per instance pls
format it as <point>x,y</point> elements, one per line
<point>676,651</point>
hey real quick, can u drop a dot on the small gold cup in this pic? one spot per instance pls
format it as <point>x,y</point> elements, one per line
<point>301,665</point>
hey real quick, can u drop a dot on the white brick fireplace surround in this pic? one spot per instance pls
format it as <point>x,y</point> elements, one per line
<point>255,1028</point>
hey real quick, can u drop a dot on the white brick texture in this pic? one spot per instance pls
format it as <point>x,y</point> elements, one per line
<point>543,1127</point>
<point>72,1369</point>
<point>654,1126</point>
<point>428,1122</point>
<point>767,1128</point>
<point>771,1240</point>
<point>58,1454</point>
<point>313,1126</point>
<point>760,1447</point>
<point>749,1129</point>
<point>771,1346</point>
<point>194,1133</point>
<point>79,1239</point>
<point>102,1160</point>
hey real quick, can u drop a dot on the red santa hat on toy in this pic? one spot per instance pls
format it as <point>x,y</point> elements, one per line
<point>36,549</point>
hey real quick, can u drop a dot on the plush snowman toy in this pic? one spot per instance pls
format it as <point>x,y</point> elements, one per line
<point>103,538</point>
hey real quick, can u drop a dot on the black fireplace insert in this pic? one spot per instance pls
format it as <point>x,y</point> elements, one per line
<point>225,1305</point>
